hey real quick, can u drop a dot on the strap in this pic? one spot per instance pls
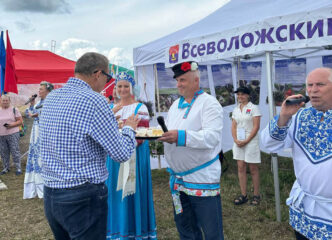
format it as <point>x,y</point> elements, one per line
<point>138,107</point>
<point>175,192</point>
<point>14,111</point>
<point>181,174</point>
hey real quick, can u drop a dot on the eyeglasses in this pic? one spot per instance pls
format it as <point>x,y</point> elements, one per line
<point>109,77</point>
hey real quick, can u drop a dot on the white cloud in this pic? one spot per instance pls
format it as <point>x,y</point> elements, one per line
<point>35,45</point>
<point>74,48</point>
<point>120,57</point>
<point>39,45</point>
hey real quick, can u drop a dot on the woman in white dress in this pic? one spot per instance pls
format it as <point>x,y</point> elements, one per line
<point>245,125</point>
<point>33,182</point>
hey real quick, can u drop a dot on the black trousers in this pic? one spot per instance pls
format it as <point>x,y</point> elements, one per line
<point>299,236</point>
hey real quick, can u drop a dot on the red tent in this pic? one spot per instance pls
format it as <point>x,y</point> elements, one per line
<point>34,66</point>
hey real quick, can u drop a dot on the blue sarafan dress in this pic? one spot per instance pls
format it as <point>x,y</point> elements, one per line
<point>132,216</point>
<point>33,182</point>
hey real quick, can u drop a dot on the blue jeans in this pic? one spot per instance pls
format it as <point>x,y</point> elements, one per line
<point>201,215</point>
<point>77,213</point>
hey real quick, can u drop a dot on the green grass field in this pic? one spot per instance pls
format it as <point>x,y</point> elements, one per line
<point>24,219</point>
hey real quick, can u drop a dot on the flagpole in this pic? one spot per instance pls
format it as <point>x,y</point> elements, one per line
<point>2,64</point>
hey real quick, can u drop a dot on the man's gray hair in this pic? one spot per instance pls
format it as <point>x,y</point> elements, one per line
<point>197,73</point>
<point>90,62</point>
<point>326,68</point>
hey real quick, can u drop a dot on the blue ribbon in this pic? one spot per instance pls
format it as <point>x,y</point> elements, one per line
<point>173,179</point>
<point>183,105</point>
<point>137,107</point>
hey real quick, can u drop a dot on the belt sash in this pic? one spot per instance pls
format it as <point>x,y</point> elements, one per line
<point>173,180</point>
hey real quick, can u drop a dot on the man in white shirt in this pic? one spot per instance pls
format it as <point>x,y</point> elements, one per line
<point>308,131</point>
<point>193,143</point>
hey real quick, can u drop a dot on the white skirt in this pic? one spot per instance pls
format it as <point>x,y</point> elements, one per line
<point>250,153</point>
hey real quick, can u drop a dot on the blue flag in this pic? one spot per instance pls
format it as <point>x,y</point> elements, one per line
<point>2,64</point>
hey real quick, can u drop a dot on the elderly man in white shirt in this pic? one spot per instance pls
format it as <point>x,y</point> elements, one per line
<point>308,131</point>
<point>192,147</point>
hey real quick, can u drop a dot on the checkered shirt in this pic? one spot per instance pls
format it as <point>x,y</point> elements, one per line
<point>77,131</point>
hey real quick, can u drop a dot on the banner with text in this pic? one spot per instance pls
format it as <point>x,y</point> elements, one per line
<point>278,33</point>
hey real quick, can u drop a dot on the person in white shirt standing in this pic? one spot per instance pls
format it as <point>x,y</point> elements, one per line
<point>245,125</point>
<point>192,147</point>
<point>308,131</point>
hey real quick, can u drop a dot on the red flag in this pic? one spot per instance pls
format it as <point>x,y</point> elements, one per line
<point>10,75</point>
<point>108,90</point>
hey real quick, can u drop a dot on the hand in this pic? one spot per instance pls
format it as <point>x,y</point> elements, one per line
<point>237,142</point>
<point>132,121</point>
<point>7,125</point>
<point>287,111</point>
<point>33,115</point>
<point>32,103</point>
<point>120,123</point>
<point>241,143</point>
<point>169,137</point>
<point>117,107</point>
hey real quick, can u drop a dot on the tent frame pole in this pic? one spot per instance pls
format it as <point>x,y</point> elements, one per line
<point>272,112</point>
<point>156,85</point>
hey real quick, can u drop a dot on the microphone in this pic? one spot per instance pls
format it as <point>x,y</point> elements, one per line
<point>33,97</point>
<point>39,106</point>
<point>297,100</point>
<point>161,122</point>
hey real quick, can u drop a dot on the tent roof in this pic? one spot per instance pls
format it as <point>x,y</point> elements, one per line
<point>234,14</point>
<point>34,66</point>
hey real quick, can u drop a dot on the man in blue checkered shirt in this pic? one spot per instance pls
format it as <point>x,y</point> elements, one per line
<point>77,131</point>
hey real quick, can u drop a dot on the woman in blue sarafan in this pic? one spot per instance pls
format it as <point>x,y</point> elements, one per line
<point>130,201</point>
<point>33,182</point>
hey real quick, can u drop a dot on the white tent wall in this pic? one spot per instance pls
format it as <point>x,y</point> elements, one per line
<point>145,74</point>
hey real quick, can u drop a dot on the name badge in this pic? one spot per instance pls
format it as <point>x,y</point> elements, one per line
<point>241,134</point>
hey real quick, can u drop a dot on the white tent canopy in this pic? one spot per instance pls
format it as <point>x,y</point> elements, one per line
<point>243,30</point>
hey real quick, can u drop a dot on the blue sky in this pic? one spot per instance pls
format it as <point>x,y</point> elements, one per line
<point>112,27</point>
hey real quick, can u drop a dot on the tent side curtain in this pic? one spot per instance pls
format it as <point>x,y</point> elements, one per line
<point>34,66</point>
